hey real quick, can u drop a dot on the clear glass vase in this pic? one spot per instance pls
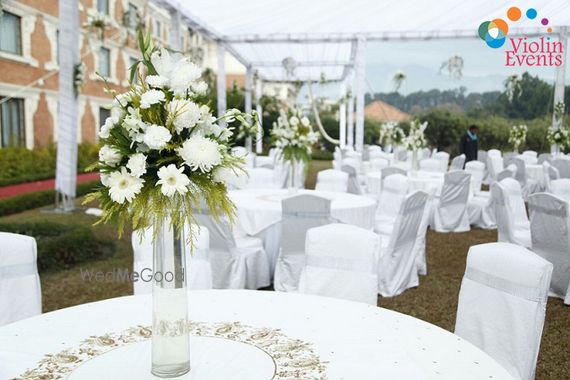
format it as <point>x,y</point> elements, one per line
<point>293,186</point>
<point>170,335</point>
<point>415,161</point>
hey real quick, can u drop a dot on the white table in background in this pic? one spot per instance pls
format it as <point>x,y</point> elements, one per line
<point>420,180</point>
<point>259,213</point>
<point>337,340</point>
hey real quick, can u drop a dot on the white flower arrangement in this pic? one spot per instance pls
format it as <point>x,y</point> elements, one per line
<point>559,136</point>
<point>78,77</point>
<point>163,154</point>
<point>294,136</point>
<point>416,139</point>
<point>385,133</point>
<point>517,136</point>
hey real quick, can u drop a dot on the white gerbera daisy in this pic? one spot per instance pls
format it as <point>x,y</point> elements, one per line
<point>172,180</point>
<point>123,186</point>
<point>294,121</point>
<point>137,164</point>
<point>151,97</point>
<point>109,155</point>
<point>157,81</point>
<point>200,153</point>
<point>185,114</point>
<point>110,123</point>
<point>156,137</point>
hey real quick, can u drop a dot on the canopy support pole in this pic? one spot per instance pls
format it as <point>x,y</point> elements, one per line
<point>350,121</point>
<point>248,101</point>
<point>221,83</point>
<point>360,88</point>
<point>66,165</point>
<point>259,109</point>
<point>342,115</point>
<point>175,25</point>
<point>560,84</point>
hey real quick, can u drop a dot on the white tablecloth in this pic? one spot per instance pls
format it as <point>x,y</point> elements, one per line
<point>350,341</point>
<point>420,180</point>
<point>259,209</point>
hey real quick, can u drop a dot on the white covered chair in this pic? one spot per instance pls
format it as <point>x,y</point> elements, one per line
<point>510,213</point>
<point>394,191</point>
<point>300,213</point>
<point>341,262</point>
<point>477,171</point>
<point>199,274</point>
<point>528,185</point>
<point>332,180</point>
<point>550,231</point>
<point>508,172</point>
<point>430,165</point>
<point>443,158</point>
<point>502,305</point>
<point>262,178</point>
<point>398,270</point>
<point>528,158</point>
<point>530,153</point>
<point>544,157</point>
<point>450,211</point>
<point>379,163</point>
<point>494,153</point>
<point>237,262</point>
<point>550,174</point>
<point>20,289</point>
<point>352,161</point>
<point>353,181</point>
<point>494,164</point>
<point>457,162</point>
<point>563,167</point>
<point>561,188</point>
<point>420,246</point>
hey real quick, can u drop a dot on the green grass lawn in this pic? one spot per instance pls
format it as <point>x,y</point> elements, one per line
<point>435,300</point>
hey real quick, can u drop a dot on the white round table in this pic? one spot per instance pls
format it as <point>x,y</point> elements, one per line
<point>259,214</point>
<point>281,336</point>
<point>420,180</point>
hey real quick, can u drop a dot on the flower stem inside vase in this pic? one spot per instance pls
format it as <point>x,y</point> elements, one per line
<point>170,336</point>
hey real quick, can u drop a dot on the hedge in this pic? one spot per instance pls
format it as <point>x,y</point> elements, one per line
<point>20,203</point>
<point>61,246</point>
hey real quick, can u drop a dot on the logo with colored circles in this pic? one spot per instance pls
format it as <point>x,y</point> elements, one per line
<point>495,32</point>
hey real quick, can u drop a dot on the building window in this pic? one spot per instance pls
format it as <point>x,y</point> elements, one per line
<point>157,29</point>
<point>133,16</point>
<point>12,123</point>
<point>104,113</point>
<point>103,6</point>
<point>10,33</point>
<point>104,62</point>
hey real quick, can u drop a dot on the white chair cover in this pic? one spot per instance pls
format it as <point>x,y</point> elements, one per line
<point>262,178</point>
<point>352,161</point>
<point>510,213</point>
<point>494,153</point>
<point>199,274</point>
<point>401,154</point>
<point>494,165</point>
<point>394,191</point>
<point>420,247</point>
<point>561,188</point>
<point>550,174</point>
<point>379,163</point>
<point>457,162</point>
<point>550,231</point>
<point>529,159</point>
<point>300,213</point>
<point>508,172</point>
<point>480,205</point>
<point>398,269</point>
<point>530,153</point>
<point>353,183</point>
<point>477,171</point>
<point>544,157</point>
<point>502,304</point>
<point>341,262</point>
<point>425,153</point>
<point>482,156</point>
<point>332,180</point>
<point>443,158</point>
<point>450,211</point>
<point>431,165</point>
<point>20,289</point>
<point>528,186</point>
<point>392,170</point>
<point>563,166</point>
<point>237,262</point>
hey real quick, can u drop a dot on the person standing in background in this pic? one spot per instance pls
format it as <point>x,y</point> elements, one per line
<point>468,144</point>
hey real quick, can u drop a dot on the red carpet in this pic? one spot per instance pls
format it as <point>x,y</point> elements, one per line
<point>48,184</point>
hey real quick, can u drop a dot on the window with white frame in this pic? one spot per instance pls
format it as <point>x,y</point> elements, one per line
<point>133,16</point>
<point>12,126</point>
<point>104,113</point>
<point>157,29</point>
<point>103,6</point>
<point>104,62</point>
<point>10,33</point>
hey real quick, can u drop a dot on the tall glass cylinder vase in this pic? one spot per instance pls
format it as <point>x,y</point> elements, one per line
<point>170,335</point>
<point>415,162</point>
<point>293,174</point>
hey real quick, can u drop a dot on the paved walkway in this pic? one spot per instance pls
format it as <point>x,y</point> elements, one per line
<point>48,184</point>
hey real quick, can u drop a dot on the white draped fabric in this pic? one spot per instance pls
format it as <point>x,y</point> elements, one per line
<point>510,211</point>
<point>354,340</point>
<point>561,188</point>
<point>502,304</point>
<point>550,231</point>
<point>450,210</point>
<point>20,289</point>
<point>393,193</point>
<point>332,180</point>
<point>341,262</point>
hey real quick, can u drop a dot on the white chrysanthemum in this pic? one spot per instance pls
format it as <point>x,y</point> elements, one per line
<point>110,123</point>
<point>109,155</point>
<point>157,81</point>
<point>231,114</point>
<point>183,76</point>
<point>123,186</point>
<point>228,176</point>
<point>305,121</point>
<point>151,97</point>
<point>172,180</point>
<point>200,153</point>
<point>137,164</point>
<point>294,121</point>
<point>156,136</point>
<point>200,88</point>
<point>185,113</point>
